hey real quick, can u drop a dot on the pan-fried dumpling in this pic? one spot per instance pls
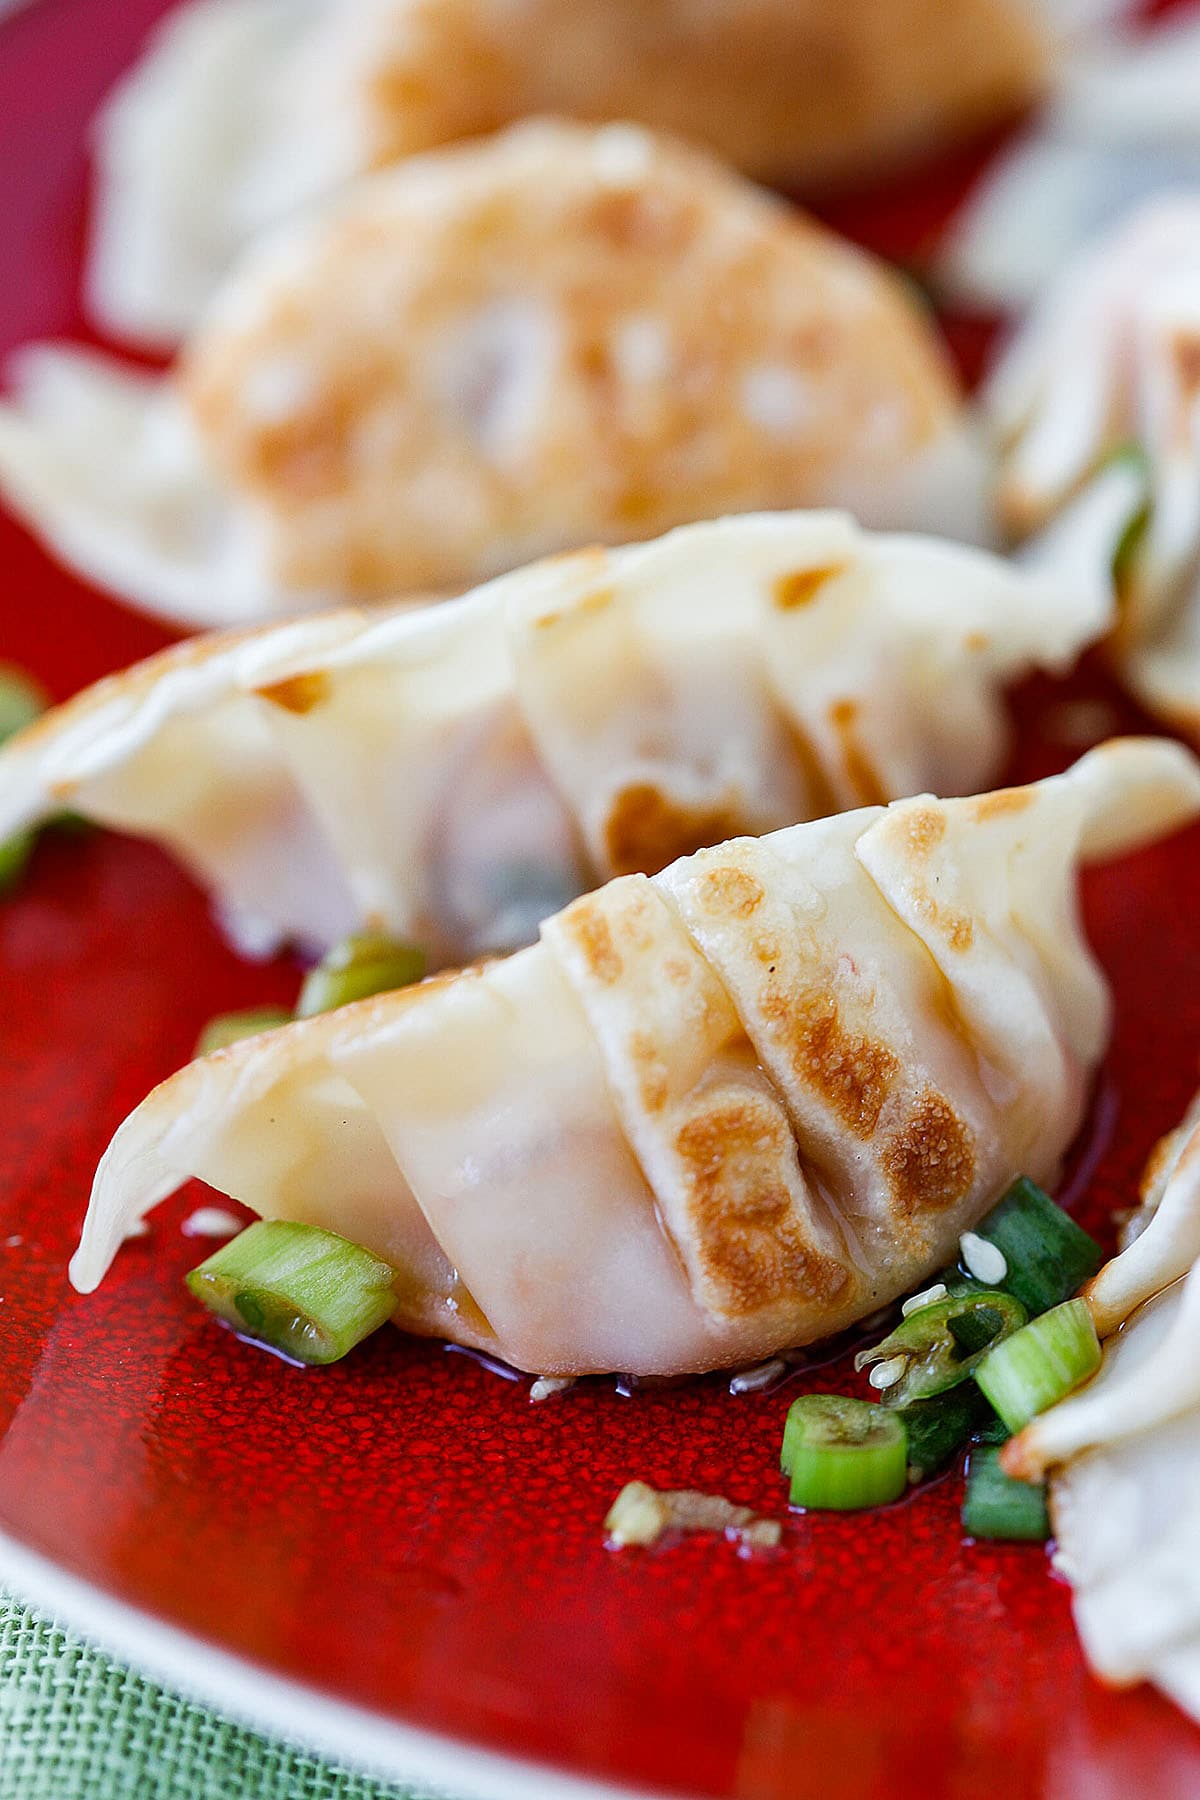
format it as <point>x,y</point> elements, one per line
<point>1097,407</point>
<point>1120,129</point>
<point>490,353</point>
<point>243,111</point>
<point>455,773</point>
<point>1126,1449</point>
<point>712,1113</point>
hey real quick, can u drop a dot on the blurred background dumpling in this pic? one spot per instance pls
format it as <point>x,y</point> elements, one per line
<point>555,336</point>
<point>243,110</point>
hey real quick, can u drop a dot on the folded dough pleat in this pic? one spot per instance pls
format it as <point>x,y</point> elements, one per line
<point>456,773</point>
<point>712,1113</point>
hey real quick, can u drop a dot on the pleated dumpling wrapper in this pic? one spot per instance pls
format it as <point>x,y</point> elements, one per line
<point>729,1108</point>
<point>555,337</point>
<point>242,111</point>
<point>1097,409</point>
<point>453,774</point>
<point>1124,1453</point>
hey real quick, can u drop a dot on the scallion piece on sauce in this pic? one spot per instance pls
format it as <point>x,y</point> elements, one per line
<point>356,968</point>
<point>231,1028</point>
<point>844,1454</point>
<point>303,1291</point>
<point>1049,1256</point>
<point>939,1346</point>
<point>994,1506</point>
<point>938,1428</point>
<point>1040,1364</point>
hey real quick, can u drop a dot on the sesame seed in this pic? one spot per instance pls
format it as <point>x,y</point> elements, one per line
<point>546,1386</point>
<point>211,1222</point>
<point>884,1374</point>
<point>982,1259</point>
<point>930,1297</point>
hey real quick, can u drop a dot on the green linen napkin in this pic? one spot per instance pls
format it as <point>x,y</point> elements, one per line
<point>74,1725</point>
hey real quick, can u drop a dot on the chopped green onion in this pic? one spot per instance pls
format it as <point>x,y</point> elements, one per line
<point>15,853</point>
<point>1039,1365</point>
<point>1049,1256</point>
<point>995,1506</point>
<point>938,1428</point>
<point>355,968</point>
<point>844,1454</point>
<point>231,1028</point>
<point>304,1291</point>
<point>939,1346</point>
<point>22,700</point>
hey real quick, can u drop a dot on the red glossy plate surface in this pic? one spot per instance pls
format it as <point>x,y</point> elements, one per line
<point>405,1532</point>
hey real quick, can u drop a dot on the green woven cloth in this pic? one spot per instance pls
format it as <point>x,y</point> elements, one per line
<point>74,1725</point>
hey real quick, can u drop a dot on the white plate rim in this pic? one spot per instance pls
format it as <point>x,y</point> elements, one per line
<point>275,1705</point>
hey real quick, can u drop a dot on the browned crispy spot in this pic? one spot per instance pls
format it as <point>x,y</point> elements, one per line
<point>1186,351</point>
<point>651,1071</point>
<point>729,890</point>
<point>803,586</point>
<point>299,693</point>
<point>977,642</point>
<point>853,1073</point>
<point>843,716</point>
<point>956,927</point>
<point>590,603</point>
<point>646,829</point>
<point>752,1249</point>
<point>588,926</point>
<point>925,827</point>
<point>1004,800</point>
<point>930,1160</point>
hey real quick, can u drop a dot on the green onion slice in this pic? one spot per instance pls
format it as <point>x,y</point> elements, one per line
<point>22,700</point>
<point>843,1454</point>
<point>940,1346</point>
<point>231,1028</point>
<point>1049,1256</point>
<point>357,967</point>
<point>1039,1365</point>
<point>15,853</point>
<point>298,1289</point>
<point>937,1429</point>
<point>995,1506</point>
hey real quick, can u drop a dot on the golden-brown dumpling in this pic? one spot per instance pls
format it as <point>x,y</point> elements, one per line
<point>712,1113</point>
<point>245,109</point>
<point>554,337</point>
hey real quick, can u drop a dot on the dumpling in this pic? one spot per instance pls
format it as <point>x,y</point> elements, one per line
<point>712,1113</point>
<point>555,337</point>
<point>1125,1451</point>
<point>452,774</point>
<point>1097,409</point>
<point>1120,129</point>
<point>242,111</point>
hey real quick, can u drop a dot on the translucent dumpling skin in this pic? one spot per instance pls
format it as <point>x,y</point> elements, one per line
<point>711,1113</point>
<point>453,774</point>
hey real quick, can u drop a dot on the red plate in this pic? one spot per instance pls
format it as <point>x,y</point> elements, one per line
<point>405,1533</point>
